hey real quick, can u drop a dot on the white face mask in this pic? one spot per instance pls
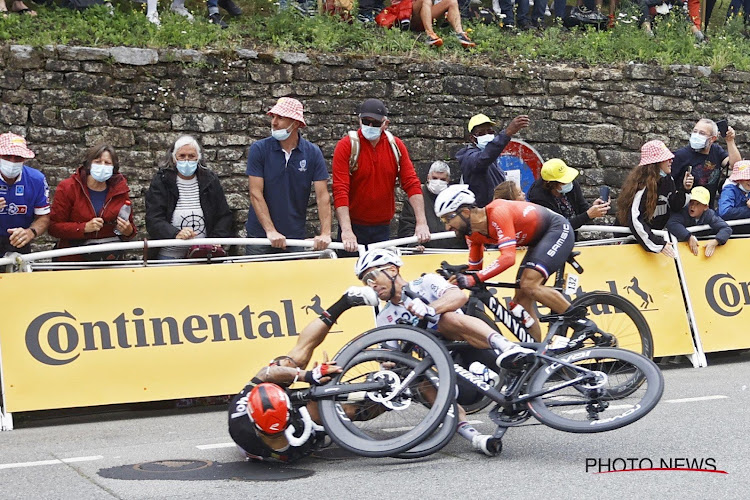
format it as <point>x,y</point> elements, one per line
<point>566,188</point>
<point>698,141</point>
<point>10,169</point>
<point>101,172</point>
<point>742,188</point>
<point>281,135</point>
<point>436,185</point>
<point>370,133</point>
<point>483,140</point>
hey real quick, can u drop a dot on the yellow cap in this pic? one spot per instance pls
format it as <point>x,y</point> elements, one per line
<point>479,119</point>
<point>556,170</point>
<point>701,195</point>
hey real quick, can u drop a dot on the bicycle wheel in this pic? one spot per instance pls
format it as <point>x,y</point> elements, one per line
<point>588,406</point>
<point>617,316</point>
<point>439,438</point>
<point>380,424</point>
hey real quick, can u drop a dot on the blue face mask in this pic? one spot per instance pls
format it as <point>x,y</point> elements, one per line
<point>698,141</point>
<point>742,188</point>
<point>187,167</point>
<point>483,140</point>
<point>281,135</point>
<point>662,173</point>
<point>101,172</point>
<point>566,188</point>
<point>370,133</point>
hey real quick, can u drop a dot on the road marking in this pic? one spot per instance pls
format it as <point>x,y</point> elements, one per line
<point>50,462</point>
<point>213,446</point>
<point>690,400</point>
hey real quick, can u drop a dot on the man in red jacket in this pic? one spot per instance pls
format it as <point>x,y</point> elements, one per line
<point>364,181</point>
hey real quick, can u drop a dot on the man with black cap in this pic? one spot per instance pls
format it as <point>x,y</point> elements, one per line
<point>478,160</point>
<point>366,164</point>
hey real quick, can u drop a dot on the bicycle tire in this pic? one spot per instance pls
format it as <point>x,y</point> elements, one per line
<point>564,409</point>
<point>619,317</point>
<point>363,357</point>
<point>439,438</point>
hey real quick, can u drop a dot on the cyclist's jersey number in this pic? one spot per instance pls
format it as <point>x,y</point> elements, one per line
<point>243,433</point>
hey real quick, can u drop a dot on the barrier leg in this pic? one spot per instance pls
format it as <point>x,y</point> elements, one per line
<point>6,421</point>
<point>698,358</point>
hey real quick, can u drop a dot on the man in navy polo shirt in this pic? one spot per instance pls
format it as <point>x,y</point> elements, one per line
<point>24,197</point>
<point>281,169</point>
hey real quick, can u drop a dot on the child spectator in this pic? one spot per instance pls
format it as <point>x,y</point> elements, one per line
<point>697,213</point>
<point>734,202</point>
<point>508,190</point>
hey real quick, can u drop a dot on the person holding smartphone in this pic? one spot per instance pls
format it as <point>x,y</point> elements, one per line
<point>705,160</point>
<point>558,190</point>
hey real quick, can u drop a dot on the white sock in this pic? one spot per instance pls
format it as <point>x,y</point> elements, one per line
<point>499,342</point>
<point>466,430</point>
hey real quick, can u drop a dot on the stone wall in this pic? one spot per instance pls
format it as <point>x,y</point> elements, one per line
<point>64,99</point>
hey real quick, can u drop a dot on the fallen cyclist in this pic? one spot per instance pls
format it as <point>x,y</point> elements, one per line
<point>380,270</point>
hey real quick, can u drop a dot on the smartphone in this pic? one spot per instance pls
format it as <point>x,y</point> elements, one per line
<point>604,193</point>
<point>723,126</point>
<point>690,169</point>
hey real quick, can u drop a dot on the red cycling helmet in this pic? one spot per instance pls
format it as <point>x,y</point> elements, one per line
<point>268,406</point>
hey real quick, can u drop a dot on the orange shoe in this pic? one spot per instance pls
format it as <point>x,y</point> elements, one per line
<point>465,41</point>
<point>433,40</point>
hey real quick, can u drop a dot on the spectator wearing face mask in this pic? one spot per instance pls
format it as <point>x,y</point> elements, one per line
<point>734,203</point>
<point>86,205</point>
<point>24,196</point>
<point>185,201</point>
<point>479,160</point>
<point>558,190</point>
<point>697,213</point>
<point>704,159</point>
<point>438,179</point>
<point>281,170</point>
<point>366,165</point>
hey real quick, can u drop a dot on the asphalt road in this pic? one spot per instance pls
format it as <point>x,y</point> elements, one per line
<point>703,415</point>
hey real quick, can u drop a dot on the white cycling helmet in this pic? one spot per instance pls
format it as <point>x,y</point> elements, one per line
<point>376,258</point>
<point>452,198</point>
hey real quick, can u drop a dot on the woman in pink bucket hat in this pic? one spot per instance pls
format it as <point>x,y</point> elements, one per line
<point>649,195</point>
<point>734,202</point>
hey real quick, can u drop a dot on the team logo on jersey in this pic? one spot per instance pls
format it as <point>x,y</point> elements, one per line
<point>14,209</point>
<point>19,190</point>
<point>497,230</point>
<point>303,165</point>
<point>3,189</point>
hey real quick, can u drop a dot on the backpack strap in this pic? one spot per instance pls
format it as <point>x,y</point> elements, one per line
<point>396,151</point>
<point>354,155</point>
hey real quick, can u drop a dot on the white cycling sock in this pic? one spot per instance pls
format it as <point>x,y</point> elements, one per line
<point>499,342</point>
<point>466,430</point>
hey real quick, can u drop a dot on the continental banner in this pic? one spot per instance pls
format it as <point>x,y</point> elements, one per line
<point>647,280</point>
<point>97,337</point>
<point>719,291</point>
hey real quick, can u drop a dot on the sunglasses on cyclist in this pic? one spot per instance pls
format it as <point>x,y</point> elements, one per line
<point>448,217</point>
<point>371,122</point>
<point>369,278</point>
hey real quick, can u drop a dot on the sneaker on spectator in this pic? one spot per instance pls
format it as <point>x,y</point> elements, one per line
<point>465,41</point>
<point>230,7</point>
<point>361,296</point>
<point>180,10</point>
<point>433,40</point>
<point>217,20</point>
<point>153,18</point>
<point>405,24</point>
<point>366,18</point>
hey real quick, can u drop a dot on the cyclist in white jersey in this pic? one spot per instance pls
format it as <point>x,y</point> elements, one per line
<point>380,270</point>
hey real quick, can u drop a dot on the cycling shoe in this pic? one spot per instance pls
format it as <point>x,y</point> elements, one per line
<point>515,357</point>
<point>486,444</point>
